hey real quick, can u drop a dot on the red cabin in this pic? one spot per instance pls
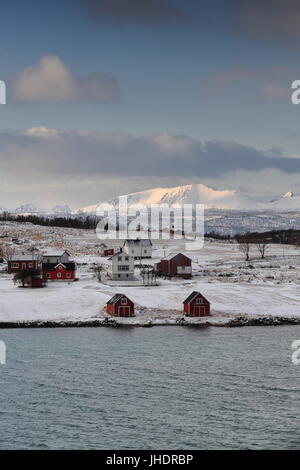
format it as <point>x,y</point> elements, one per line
<point>120,306</point>
<point>59,272</point>
<point>175,266</point>
<point>196,305</point>
<point>19,263</point>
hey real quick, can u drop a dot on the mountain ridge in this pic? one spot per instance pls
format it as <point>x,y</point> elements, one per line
<point>227,199</point>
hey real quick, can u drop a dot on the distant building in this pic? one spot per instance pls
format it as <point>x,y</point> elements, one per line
<point>121,267</point>
<point>196,305</point>
<point>139,248</point>
<point>175,266</point>
<point>120,305</point>
<point>59,272</point>
<point>55,257</point>
<point>19,263</point>
<point>108,252</point>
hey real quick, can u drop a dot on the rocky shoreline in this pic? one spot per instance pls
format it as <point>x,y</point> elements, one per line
<point>233,322</point>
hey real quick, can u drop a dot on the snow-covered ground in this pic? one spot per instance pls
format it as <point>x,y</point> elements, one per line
<point>233,286</point>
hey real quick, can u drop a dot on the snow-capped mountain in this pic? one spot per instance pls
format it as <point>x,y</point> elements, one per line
<point>188,194</point>
<point>289,200</point>
<point>31,209</point>
<point>61,210</point>
<point>26,209</point>
<point>226,199</point>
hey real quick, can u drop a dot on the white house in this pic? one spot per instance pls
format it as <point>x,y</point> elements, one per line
<point>121,267</point>
<point>56,257</point>
<point>138,248</point>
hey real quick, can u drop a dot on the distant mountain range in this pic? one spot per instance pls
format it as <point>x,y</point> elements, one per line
<point>176,197</point>
<point>201,194</point>
<point>31,209</point>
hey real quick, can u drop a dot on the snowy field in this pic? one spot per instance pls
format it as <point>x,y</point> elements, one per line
<point>233,286</point>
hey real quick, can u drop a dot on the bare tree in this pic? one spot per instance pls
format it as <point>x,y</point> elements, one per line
<point>8,252</point>
<point>244,243</point>
<point>98,270</point>
<point>26,276</point>
<point>262,245</point>
<point>297,239</point>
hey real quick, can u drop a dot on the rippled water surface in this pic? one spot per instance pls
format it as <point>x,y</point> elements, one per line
<point>162,387</point>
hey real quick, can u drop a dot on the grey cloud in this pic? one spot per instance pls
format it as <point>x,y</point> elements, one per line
<point>115,154</point>
<point>50,80</point>
<point>271,83</point>
<point>269,19</point>
<point>131,11</point>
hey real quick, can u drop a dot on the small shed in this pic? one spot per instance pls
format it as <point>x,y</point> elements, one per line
<point>108,252</point>
<point>196,305</point>
<point>37,282</point>
<point>178,265</point>
<point>120,306</point>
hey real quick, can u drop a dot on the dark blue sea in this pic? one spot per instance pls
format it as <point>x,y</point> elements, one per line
<point>150,388</point>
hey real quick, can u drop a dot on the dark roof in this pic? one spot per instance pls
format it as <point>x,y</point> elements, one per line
<point>118,253</point>
<point>138,241</point>
<point>190,297</point>
<point>115,298</point>
<point>173,255</point>
<point>71,266</point>
<point>193,295</point>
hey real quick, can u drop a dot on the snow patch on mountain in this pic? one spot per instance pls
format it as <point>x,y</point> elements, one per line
<point>188,194</point>
<point>288,200</point>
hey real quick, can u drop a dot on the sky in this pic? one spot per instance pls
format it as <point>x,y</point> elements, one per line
<point>106,97</point>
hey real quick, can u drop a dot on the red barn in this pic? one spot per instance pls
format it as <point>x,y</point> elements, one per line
<point>59,272</point>
<point>120,306</point>
<point>19,263</point>
<point>175,266</point>
<point>196,305</point>
<point>108,252</point>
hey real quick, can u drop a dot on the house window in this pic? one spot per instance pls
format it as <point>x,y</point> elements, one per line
<point>145,251</point>
<point>58,275</point>
<point>68,275</point>
<point>126,258</point>
<point>48,275</point>
<point>123,267</point>
<point>119,258</point>
<point>199,300</point>
<point>14,265</point>
<point>30,265</point>
<point>124,301</point>
<point>132,251</point>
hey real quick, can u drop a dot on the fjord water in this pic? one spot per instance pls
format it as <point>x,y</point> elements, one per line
<point>162,387</point>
